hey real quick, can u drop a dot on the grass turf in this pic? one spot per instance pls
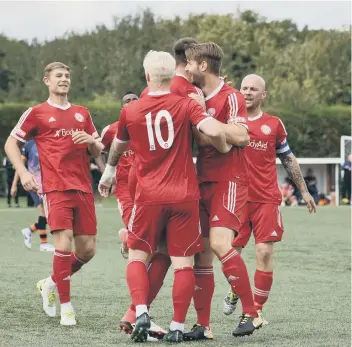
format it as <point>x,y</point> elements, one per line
<point>309,304</point>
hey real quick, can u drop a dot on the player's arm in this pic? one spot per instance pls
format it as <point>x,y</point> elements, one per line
<point>14,154</point>
<point>291,166</point>
<point>236,128</point>
<point>16,178</point>
<point>118,147</point>
<point>208,126</point>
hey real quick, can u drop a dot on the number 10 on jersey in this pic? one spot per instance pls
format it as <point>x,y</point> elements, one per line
<point>170,128</point>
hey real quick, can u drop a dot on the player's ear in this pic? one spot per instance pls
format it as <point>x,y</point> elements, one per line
<point>264,95</point>
<point>46,80</point>
<point>147,77</point>
<point>203,66</point>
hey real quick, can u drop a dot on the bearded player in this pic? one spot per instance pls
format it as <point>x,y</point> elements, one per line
<point>268,140</point>
<point>65,137</point>
<point>223,186</point>
<point>166,201</point>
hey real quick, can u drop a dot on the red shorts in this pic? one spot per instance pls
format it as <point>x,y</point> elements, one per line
<point>264,220</point>
<point>132,180</point>
<point>71,210</point>
<point>124,201</point>
<point>222,204</point>
<point>177,223</point>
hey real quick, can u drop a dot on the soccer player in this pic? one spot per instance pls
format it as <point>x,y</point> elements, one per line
<point>65,136</point>
<point>263,218</point>
<point>161,262</point>
<point>223,187</point>
<point>158,127</point>
<point>30,155</point>
<point>122,192</point>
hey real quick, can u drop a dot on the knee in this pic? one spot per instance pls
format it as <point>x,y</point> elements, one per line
<point>86,254</point>
<point>205,258</point>
<point>264,255</point>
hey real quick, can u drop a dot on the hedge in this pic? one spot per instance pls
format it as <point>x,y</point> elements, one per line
<point>313,132</point>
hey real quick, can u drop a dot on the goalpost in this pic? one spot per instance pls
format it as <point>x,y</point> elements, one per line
<point>345,151</point>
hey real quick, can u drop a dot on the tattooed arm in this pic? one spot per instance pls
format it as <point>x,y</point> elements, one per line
<point>293,170</point>
<point>116,151</point>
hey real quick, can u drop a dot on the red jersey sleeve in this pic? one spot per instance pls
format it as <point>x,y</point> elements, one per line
<point>197,115</point>
<point>122,134</point>
<point>107,136</point>
<point>26,127</point>
<point>236,109</point>
<point>282,147</point>
<point>90,128</point>
<point>281,134</point>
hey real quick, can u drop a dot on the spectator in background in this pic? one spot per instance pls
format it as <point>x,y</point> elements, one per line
<point>311,183</point>
<point>10,174</point>
<point>288,196</point>
<point>346,187</point>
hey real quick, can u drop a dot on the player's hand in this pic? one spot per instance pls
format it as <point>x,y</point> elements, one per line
<point>198,98</point>
<point>13,190</point>
<point>226,81</point>
<point>28,182</point>
<point>106,180</point>
<point>81,137</point>
<point>310,202</point>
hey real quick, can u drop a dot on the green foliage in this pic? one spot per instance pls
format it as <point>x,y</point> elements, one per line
<point>312,132</point>
<point>300,66</point>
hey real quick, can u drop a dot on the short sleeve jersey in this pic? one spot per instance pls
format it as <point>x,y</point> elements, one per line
<point>267,139</point>
<point>227,105</point>
<point>159,128</point>
<point>64,165</point>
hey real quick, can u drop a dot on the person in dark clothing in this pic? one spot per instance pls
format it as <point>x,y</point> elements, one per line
<point>311,183</point>
<point>10,174</point>
<point>346,187</point>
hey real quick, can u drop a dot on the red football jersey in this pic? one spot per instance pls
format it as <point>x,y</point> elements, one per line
<point>107,136</point>
<point>268,138</point>
<point>159,128</point>
<point>227,105</point>
<point>179,86</point>
<point>64,165</point>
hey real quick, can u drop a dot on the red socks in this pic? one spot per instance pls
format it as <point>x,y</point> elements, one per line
<point>138,282</point>
<point>157,270</point>
<point>76,263</point>
<point>203,293</point>
<point>262,284</point>
<point>182,292</point>
<point>62,274</point>
<point>236,273</point>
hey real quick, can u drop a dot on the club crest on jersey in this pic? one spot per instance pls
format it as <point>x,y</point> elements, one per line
<point>79,117</point>
<point>211,112</point>
<point>266,130</point>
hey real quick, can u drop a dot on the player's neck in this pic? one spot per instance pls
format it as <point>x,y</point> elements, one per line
<point>254,113</point>
<point>212,82</point>
<point>181,71</point>
<point>155,87</point>
<point>58,99</point>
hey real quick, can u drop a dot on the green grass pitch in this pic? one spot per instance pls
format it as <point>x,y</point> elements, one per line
<point>309,304</point>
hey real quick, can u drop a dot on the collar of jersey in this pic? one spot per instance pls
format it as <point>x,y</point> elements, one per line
<point>158,92</point>
<point>180,75</point>
<point>59,106</point>
<point>217,90</point>
<point>251,119</point>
